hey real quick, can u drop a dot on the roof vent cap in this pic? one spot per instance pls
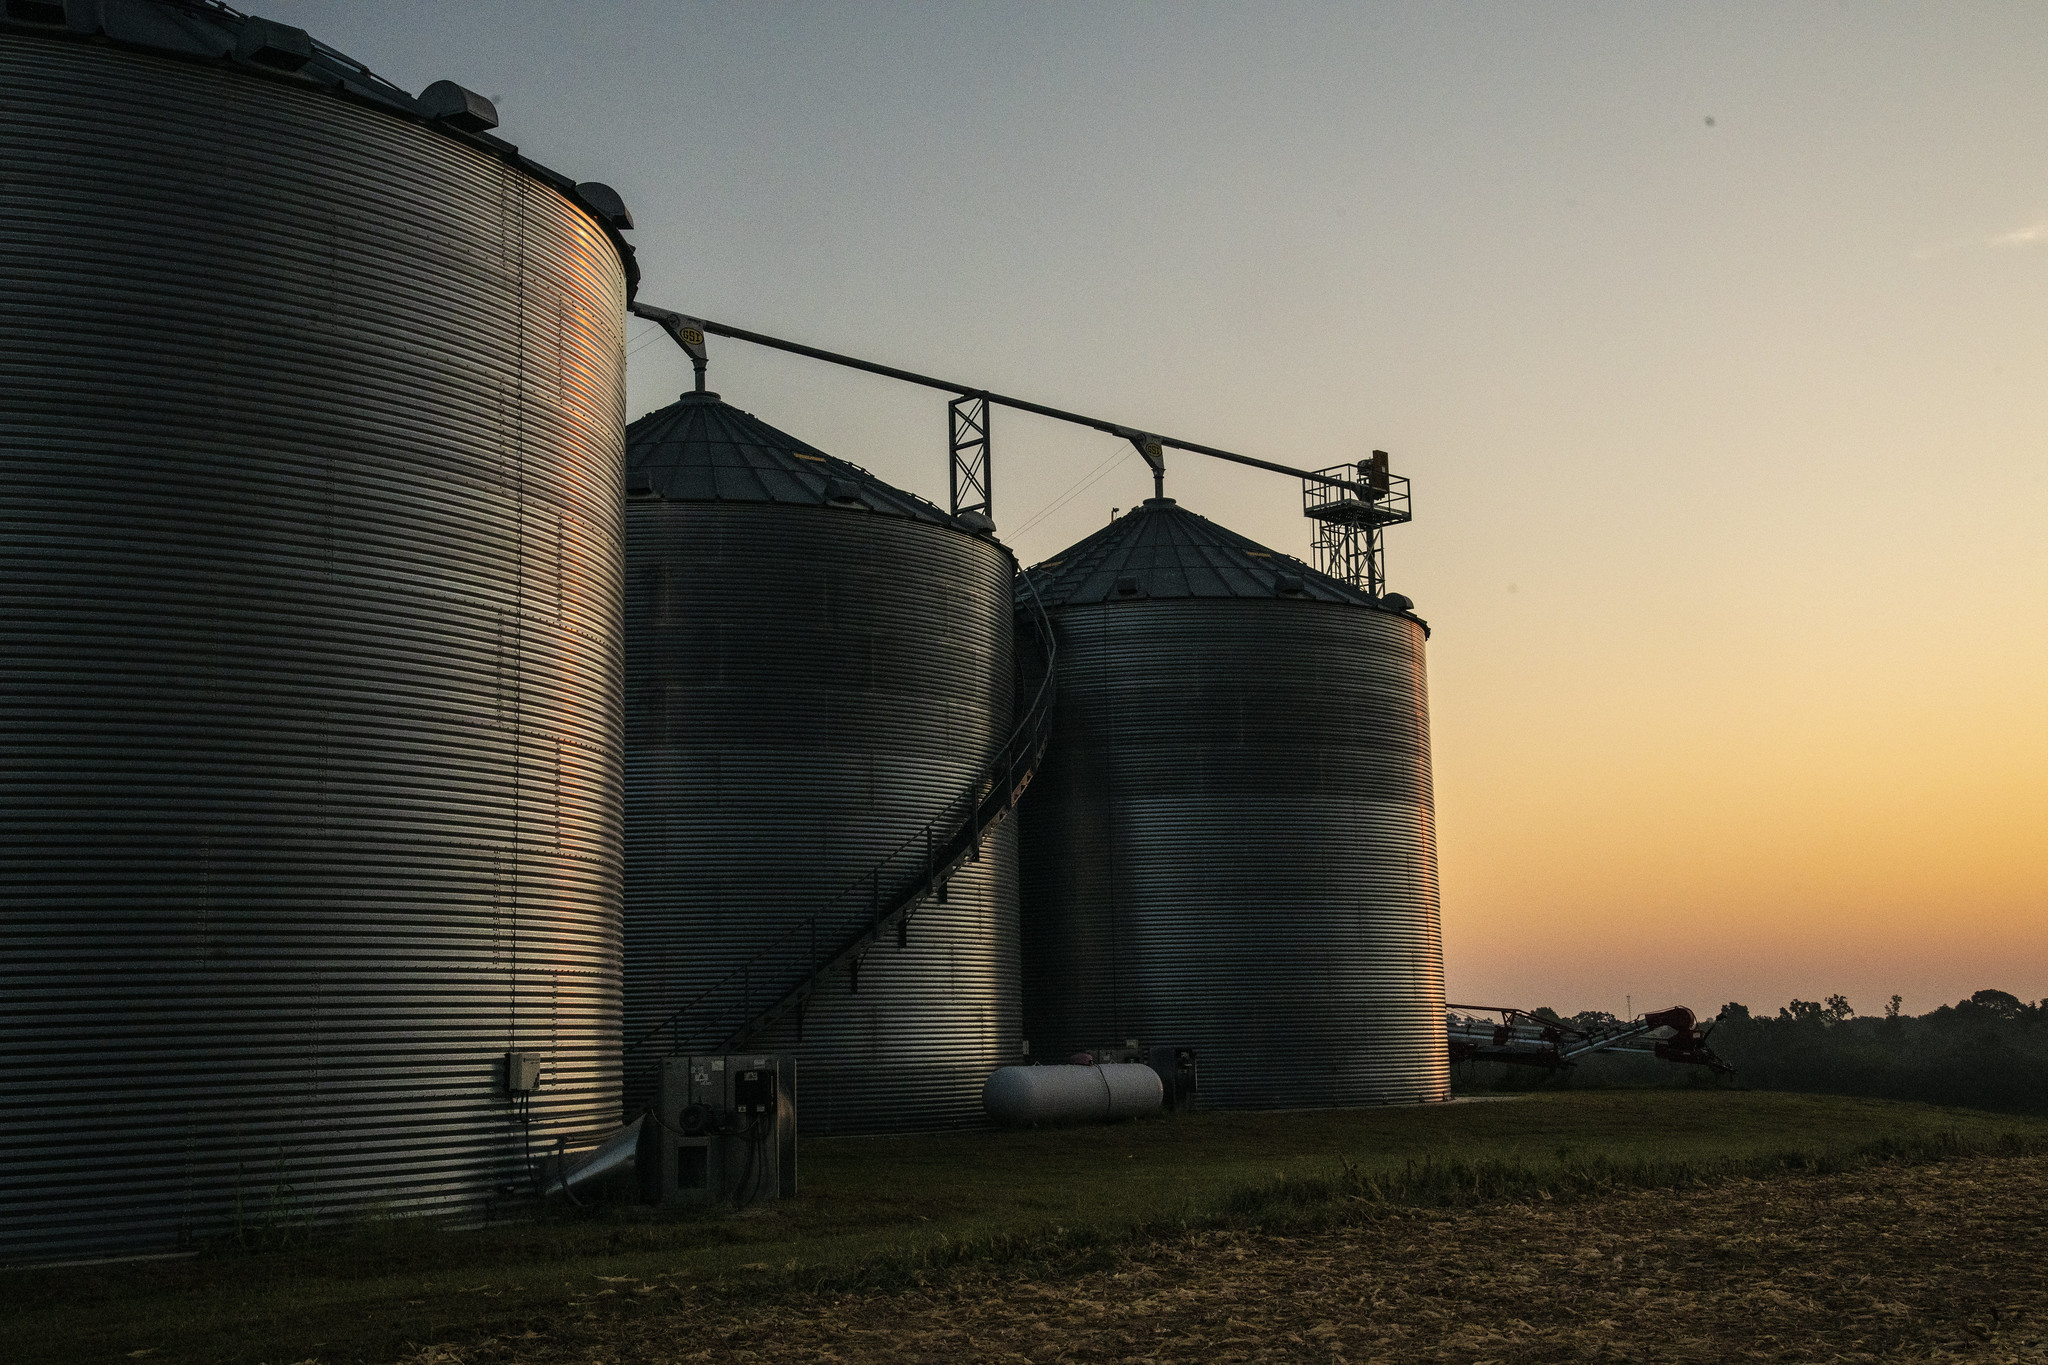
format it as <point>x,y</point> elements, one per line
<point>1127,586</point>
<point>977,523</point>
<point>446,102</point>
<point>604,201</point>
<point>639,483</point>
<point>840,493</point>
<point>1290,583</point>
<point>277,46</point>
<point>1397,602</point>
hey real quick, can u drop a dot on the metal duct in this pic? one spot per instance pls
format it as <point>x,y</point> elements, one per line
<point>1231,846</point>
<point>310,559</point>
<point>816,664</point>
<point>616,1156</point>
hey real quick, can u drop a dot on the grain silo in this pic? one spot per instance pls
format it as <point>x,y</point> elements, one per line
<point>310,546</point>
<point>818,676</point>
<point>1231,846</point>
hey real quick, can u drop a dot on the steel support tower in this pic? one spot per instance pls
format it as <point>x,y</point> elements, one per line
<point>1350,515</point>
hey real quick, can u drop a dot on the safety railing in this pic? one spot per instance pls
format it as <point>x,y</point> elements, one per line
<point>780,977</point>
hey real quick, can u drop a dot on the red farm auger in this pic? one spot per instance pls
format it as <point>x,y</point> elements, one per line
<point>1524,1038</point>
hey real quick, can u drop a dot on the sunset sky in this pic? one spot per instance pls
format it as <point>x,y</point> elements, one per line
<point>1714,338</point>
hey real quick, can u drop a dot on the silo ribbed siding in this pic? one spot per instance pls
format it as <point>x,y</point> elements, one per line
<point>807,686</point>
<point>1232,845</point>
<point>310,556</point>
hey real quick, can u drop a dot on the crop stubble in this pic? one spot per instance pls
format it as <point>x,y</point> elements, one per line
<point>1888,1263</point>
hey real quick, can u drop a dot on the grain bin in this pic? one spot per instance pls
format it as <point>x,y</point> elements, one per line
<point>310,550</point>
<point>818,670</point>
<point>1231,846</point>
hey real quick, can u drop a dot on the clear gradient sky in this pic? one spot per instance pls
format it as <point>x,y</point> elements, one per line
<point>1714,338</point>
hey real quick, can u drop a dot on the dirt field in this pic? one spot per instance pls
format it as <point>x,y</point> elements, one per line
<point>1891,1263</point>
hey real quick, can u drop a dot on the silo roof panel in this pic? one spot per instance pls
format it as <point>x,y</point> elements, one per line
<point>1161,550</point>
<point>700,449</point>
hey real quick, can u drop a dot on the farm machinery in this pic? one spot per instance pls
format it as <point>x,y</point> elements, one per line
<point>1522,1037</point>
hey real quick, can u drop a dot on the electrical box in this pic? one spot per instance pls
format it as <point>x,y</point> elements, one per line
<point>723,1129</point>
<point>1178,1075</point>
<point>522,1073</point>
<point>753,1090</point>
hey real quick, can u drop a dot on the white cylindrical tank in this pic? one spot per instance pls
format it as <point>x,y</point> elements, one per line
<point>1017,1096</point>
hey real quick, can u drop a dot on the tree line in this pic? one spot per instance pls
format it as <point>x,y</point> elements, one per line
<point>1987,1052</point>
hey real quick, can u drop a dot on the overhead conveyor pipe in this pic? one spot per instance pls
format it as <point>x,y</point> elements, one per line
<point>675,324</point>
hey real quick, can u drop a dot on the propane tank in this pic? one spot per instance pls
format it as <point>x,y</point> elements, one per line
<point>1019,1096</point>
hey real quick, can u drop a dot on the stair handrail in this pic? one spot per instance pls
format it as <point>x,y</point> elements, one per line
<point>998,785</point>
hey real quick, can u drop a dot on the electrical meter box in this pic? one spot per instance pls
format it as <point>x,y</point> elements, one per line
<point>723,1130</point>
<point>522,1073</point>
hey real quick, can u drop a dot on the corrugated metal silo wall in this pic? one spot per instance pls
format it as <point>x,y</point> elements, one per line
<point>805,688</point>
<point>1232,846</point>
<point>309,645</point>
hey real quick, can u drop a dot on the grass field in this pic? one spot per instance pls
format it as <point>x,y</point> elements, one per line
<point>886,1214</point>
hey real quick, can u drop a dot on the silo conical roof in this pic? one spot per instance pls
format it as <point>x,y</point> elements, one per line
<point>213,34</point>
<point>1162,550</point>
<point>701,449</point>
